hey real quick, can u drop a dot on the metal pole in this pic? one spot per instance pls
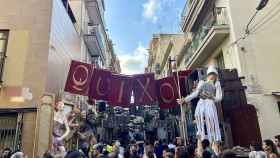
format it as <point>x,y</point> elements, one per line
<point>183,116</point>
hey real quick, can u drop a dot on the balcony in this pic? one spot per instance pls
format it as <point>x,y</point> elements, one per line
<point>190,13</point>
<point>94,12</point>
<point>95,43</point>
<point>207,38</point>
<point>186,44</point>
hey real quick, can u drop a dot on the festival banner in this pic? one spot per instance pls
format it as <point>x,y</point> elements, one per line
<point>144,89</point>
<point>100,85</point>
<point>79,78</point>
<point>121,90</point>
<point>167,92</point>
<point>183,75</point>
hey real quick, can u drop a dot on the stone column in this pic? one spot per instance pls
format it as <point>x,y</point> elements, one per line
<point>44,124</point>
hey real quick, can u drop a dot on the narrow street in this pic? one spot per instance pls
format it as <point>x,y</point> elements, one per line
<point>139,79</point>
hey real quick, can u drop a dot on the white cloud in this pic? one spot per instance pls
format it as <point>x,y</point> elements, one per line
<point>150,10</point>
<point>134,63</point>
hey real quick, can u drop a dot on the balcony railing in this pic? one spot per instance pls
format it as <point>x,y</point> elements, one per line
<point>95,11</point>
<point>95,43</point>
<point>190,11</point>
<point>96,30</point>
<point>186,10</point>
<point>219,18</point>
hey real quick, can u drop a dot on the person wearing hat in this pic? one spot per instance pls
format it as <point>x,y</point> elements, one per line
<point>209,92</point>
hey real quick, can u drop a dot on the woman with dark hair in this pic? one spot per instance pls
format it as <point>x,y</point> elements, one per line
<point>277,143</point>
<point>270,149</point>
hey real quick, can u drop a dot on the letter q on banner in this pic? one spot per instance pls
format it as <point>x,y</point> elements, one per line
<point>167,92</point>
<point>79,78</point>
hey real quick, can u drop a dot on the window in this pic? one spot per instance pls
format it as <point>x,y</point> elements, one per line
<point>220,61</point>
<point>3,48</point>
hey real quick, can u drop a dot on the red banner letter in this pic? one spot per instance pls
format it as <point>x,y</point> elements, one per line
<point>167,92</point>
<point>100,84</point>
<point>79,78</point>
<point>121,90</point>
<point>144,89</point>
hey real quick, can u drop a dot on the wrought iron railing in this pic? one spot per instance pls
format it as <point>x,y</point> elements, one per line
<point>10,131</point>
<point>96,30</point>
<point>219,18</point>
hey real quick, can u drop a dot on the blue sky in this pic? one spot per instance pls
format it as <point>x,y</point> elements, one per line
<point>131,24</point>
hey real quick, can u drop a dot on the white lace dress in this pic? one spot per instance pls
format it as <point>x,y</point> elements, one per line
<point>206,111</point>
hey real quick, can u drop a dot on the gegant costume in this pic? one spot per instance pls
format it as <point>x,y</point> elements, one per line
<point>209,92</point>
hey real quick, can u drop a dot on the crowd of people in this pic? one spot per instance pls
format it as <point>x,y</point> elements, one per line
<point>159,149</point>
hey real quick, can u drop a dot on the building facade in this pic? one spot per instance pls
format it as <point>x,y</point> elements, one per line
<point>114,64</point>
<point>219,38</point>
<point>38,40</point>
<point>164,51</point>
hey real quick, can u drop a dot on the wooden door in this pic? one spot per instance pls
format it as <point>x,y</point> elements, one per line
<point>244,125</point>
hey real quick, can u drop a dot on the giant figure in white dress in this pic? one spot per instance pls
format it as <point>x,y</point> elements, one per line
<point>210,93</point>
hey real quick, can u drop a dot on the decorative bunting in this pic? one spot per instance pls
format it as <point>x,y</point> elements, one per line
<point>100,84</point>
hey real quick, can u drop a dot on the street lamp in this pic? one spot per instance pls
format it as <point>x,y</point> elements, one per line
<point>262,4</point>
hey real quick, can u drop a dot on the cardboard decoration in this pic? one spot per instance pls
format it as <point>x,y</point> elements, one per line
<point>121,90</point>
<point>144,89</point>
<point>79,78</point>
<point>100,86</point>
<point>167,92</point>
